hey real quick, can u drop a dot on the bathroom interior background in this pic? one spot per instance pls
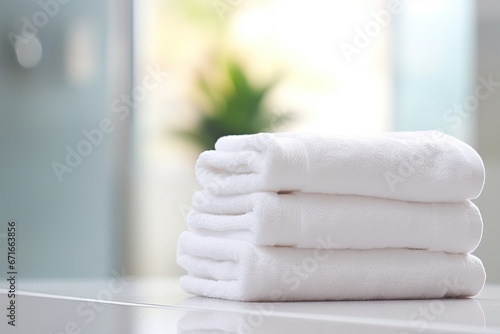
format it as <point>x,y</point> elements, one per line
<point>135,72</point>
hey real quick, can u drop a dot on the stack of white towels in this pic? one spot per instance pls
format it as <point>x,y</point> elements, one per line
<point>289,217</point>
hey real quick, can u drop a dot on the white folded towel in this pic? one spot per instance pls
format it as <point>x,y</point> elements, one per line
<point>357,222</point>
<point>424,166</point>
<point>238,270</point>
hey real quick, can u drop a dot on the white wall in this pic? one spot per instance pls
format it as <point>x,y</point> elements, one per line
<point>488,134</point>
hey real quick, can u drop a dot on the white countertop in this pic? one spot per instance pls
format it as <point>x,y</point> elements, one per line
<point>127,305</point>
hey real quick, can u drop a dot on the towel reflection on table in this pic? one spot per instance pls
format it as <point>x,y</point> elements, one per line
<point>409,316</point>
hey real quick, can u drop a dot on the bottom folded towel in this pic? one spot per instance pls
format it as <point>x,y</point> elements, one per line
<point>238,270</point>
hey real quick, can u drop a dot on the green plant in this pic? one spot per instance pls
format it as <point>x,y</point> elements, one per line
<point>238,108</point>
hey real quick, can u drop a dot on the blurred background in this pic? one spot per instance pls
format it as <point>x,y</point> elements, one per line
<point>105,106</point>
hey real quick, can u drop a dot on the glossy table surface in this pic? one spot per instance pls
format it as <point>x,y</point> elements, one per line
<point>127,305</point>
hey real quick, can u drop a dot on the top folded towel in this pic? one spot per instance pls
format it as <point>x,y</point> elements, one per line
<point>422,166</point>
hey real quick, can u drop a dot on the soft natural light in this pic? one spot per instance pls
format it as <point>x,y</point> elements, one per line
<point>299,40</point>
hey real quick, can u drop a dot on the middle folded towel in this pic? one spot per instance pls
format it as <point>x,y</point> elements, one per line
<point>347,222</point>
